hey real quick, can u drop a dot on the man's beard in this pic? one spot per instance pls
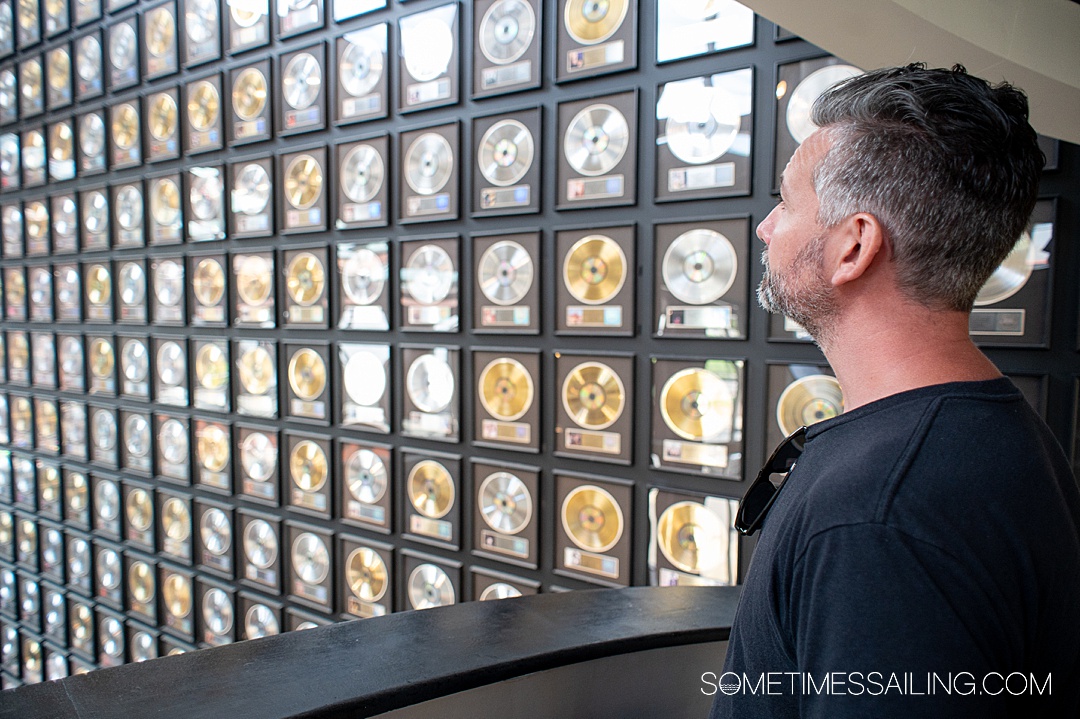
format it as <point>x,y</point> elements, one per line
<point>803,293</point>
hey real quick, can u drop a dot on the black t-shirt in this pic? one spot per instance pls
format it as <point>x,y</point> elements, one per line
<point>922,559</point>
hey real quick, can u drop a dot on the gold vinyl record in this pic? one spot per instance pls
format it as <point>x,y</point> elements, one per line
<point>140,509</point>
<point>160,31</point>
<point>307,374</point>
<point>595,269</point>
<point>98,285</point>
<point>16,288</point>
<point>33,150</point>
<point>141,581</point>
<point>506,30</point>
<point>208,282</point>
<point>30,80</point>
<point>697,405</point>
<point>429,163</point>
<point>431,489</point>
<point>807,92</point>
<point>305,279</point>
<point>365,476</point>
<point>430,586</point>
<point>249,94</point>
<point>592,21</point>
<point>691,537</point>
<point>307,466</point>
<point>592,518</point>
<point>506,389</point>
<point>506,152</point>
<point>176,519</point>
<point>61,142</point>
<point>176,594</point>
<point>505,272</point>
<point>699,267</point>
<point>37,220</point>
<point>102,358</point>
<point>310,558</point>
<point>596,140</point>
<point>213,448</point>
<point>809,400</point>
<point>301,81</point>
<point>204,105</point>
<point>165,202</point>
<point>366,575</point>
<point>47,424</point>
<point>211,367</point>
<point>125,126</point>
<point>593,395</point>
<point>1010,276</point>
<point>254,279</point>
<point>303,181</point>
<point>505,502</point>
<point>19,352</point>
<point>59,70</point>
<point>257,373</point>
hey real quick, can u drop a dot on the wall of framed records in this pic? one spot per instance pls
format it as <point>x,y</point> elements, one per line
<point>326,309</point>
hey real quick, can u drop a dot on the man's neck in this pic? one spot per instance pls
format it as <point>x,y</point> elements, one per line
<point>875,357</point>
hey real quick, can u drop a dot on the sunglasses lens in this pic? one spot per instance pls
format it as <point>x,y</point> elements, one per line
<point>755,502</point>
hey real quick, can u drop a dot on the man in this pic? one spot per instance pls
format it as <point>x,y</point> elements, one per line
<point>923,556</point>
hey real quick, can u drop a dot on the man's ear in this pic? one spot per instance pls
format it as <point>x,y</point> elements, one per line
<point>856,243</point>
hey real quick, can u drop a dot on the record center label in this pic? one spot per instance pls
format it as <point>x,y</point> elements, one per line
<point>496,542</point>
<point>590,441</point>
<point>493,198</point>
<point>437,528</point>
<point>365,512</point>
<point>706,455</point>
<point>600,564</point>
<point>610,53</point>
<point>434,205</point>
<point>423,92</point>
<point>506,431</point>
<point>504,316</point>
<point>997,322</point>
<point>577,316</point>
<point>701,178</point>
<point>365,610</point>
<point>595,188</point>
<point>515,74</point>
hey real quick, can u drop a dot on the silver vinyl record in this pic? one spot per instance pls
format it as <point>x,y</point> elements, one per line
<point>135,361</point>
<point>699,267</point>
<point>95,212</point>
<point>112,639</point>
<point>143,647</point>
<point>360,69</point>
<point>64,217</point>
<point>217,611</point>
<point>79,558</point>
<point>362,173</point>
<point>707,137</point>
<point>365,378</point>
<point>92,134</point>
<point>260,622</point>
<point>499,590</point>
<point>365,476</point>
<point>1009,277</point>
<point>506,30</point>
<point>215,530</point>
<point>427,44</point>
<point>103,430</point>
<point>363,277</point>
<point>506,152</point>
<point>7,91</point>
<point>258,456</point>
<point>505,502</point>
<point>809,90</point>
<point>40,286</point>
<point>88,58</point>
<point>505,272</point>
<point>251,193</point>
<point>132,284</point>
<point>123,47</point>
<point>428,276</point>
<point>310,558</point>
<point>596,140</point>
<point>129,207</point>
<point>108,569</point>
<point>430,586</point>
<point>429,163</point>
<point>169,283</point>
<point>200,21</point>
<point>205,196</point>
<point>260,543</point>
<point>430,383</point>
<point>33,150</point>
<point>302,81</point>
<point>71,356</point>
<point>173,440</point>
<point>171,363</point>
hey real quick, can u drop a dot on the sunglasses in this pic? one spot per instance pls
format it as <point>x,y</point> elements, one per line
<point>759,499</point>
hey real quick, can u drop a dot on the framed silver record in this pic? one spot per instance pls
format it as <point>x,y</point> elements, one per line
<point>306,284</point>
<point>363,283</point>
<point>307,382</point>
<point>10,164</point>
<point>688,28</point>
<point>34,157</point>
<point>202,31</point>
<point>92,135</point>
<point>429,179</point>
<point>104,436</point>
<point>203,115</point>
<point>247,25</point>
<point>136,449</point>
<point>701,285</point>
<point>251,198</point>
<point>96,218</point>
<point>364,371</point>
<point>704,128</point>
<point>429,581</point>
<point>363,183</point>
<point>597,281</point>
<point>213,455</point>
<point>253,282</point>
<point>39,283</point>
<point>58,85</point>
<point>123,54</point>
<point>11,222</point>
<point>172,444</point>
<point>506,287</point>
<point>208,285</point>
<point>304,186</point>
<point>61,144</point>
<point>431,397</point>
<point>346,9</point>
<point>429,71</point>
<point>162,114</point>
<point>71,363</point>
<point>161,33</point>
<point>88,58</point>
<point>365,471</point>
<point>43,366</point>
<point>167,296</point>
<point>306,469</point>
<point>311,566</point>
<point>204,203</point>
<point>258,455</point>
<point>363,73</point>
<point>128,214</point>
<point>131,291</point>
<point>31,87</point>
<point>86,11</point>
<point>429,284</point>
<point>101,364</point>
<point>595,38</point>
<point>57,17</point>
<point>257,378</point>
<point>125,134</point>
<point>212,372</point>
<point>65,222</point>
<point>507,44</point>
<point>506,173</point>
<point>135,375</point>
<point>259,552</point>
<point>28,19</point>
<point>9,95</point>
<point>597,162</point>
<point>434,496</point>
<point>506,520</point>
<point>299,16</point>
<point>215,543</point>
<point>250,93</point>
<point>68,285</point>
<point>165,209</point>
<point>7,25</point>
<point>303,89</point>
<point>507,409</point>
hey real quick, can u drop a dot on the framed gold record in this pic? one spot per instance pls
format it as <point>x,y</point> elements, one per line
<point>595,38</point>
<point>506,50</point>
<point>305,187</point>
<point>58,66</point>
<point>429,60</point>
<point>202,31</point>
<point>693,538</point>
<point>176,600</point>
<point>204,111</point>
<point>307,380</point>
<point>251,197</point>
<point>125,134</point>
<point>300,16</point>
<point>254,303</point>
<point>307,472</point>
<point>28,23</point>
<point>247,26</point>
<point>15,294</point>
<point>595,294</point>
<point>363,74</point>
<point>305,279</point>
<point>98,284</point>
<point>207,274</point>
<point>122,54</point>
<point>800,394</point>
<point>204,203</point>
<point>431,404</point>
<point>128,214</point>
<point>61,144</point>
<point>429,181</point>
<point>506,173</point>
<point>174,528</point>
<point>257,375</point>
<point>57,17</point>
<point>311,565</point>
<point>212,372</point>
<point>31,87</point>
<point>91,135</point>
<point>433,502</point>
<point>367,589</point>
<point>507,414</point>
<point>303,89</point>
<point>593,413</point>
<point>250,96</point>
<point>593,540</point>
<point>363,174</point>
<point>506,518</point>
<point>597,160</point>
<point>213,455</point>
<point>166,212</point>
<point>161,32</point>
<point>365,471</point>
<point>34,157</point>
